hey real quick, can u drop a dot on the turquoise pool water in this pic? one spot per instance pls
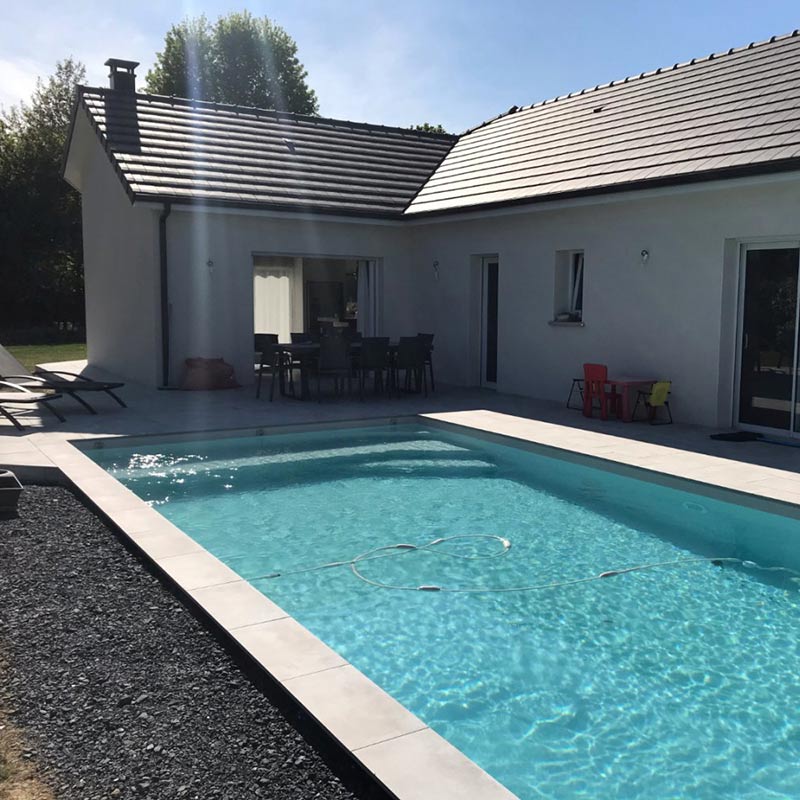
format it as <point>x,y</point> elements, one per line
<point>675,682</point>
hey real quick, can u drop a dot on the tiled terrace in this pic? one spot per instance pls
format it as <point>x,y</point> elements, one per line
<point>682,450</point>
<point>380,735</point>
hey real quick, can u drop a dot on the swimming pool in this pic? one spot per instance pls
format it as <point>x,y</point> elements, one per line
<point>675,681</point>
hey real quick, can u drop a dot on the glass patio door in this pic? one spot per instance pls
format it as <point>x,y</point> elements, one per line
<point>768,390</point>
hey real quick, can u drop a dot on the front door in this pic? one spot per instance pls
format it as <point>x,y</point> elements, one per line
<point>769,332</point>
<point>489,307</point>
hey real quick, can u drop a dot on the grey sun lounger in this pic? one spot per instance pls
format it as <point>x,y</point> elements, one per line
<point>67,383</point>
<point>13,394</point>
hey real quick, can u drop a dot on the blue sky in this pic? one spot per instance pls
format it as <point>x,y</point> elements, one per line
<point>399,63</point>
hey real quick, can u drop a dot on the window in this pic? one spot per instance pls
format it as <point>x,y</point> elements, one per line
<point>576,285</point>
<point>568,300</point>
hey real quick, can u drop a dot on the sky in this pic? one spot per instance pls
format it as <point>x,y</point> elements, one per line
<point>401,63</point>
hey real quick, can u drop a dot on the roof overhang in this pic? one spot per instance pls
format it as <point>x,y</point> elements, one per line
<point>602,197</point>
<point>75,148</point>
<point>262,211</point>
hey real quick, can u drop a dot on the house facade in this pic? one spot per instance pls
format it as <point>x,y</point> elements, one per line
<point>652,224</point>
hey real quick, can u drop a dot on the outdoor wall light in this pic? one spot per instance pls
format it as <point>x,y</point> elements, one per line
<point>645,255</point>
<point>210,265</point>
<point>436,270</point>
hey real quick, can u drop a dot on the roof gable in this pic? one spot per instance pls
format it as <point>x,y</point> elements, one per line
<point>169,149</point>
<point>724,115</point>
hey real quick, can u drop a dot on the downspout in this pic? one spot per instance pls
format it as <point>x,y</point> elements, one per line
<point>162,257</point>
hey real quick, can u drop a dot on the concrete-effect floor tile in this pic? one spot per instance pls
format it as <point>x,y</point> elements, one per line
<point>356,711</point>
<point>423,766</point>
<point>195,570</point>
<point>24,458</point>
<point>164,543</point>
<point>286,649</point>
<point>16,444</point>
<point>237,604</point>
<point>132,520</point>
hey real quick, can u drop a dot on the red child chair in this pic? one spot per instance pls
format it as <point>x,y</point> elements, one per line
<point>595,377</point>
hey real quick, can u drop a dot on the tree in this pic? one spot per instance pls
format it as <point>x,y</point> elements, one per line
<point>41,263</point>
<point>240,59</point>
<point>426,127</point>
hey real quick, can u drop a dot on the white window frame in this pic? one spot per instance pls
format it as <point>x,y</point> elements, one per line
<point>568,287</point>
<point>576,262</point>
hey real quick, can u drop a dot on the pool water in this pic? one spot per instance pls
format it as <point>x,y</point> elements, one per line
<point>674,682</point>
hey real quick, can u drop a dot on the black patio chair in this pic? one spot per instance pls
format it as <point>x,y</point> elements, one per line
<point>577,383</point>
<point>334,362</point>
<point>270,358</point>
<point>427,340</point>
<point>373,357</point>
<point>410,358</point>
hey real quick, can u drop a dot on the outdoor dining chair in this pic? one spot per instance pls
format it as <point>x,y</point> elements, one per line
<point>334,362</point>
<point>373,357</point>
<point>427,340</point>
<point>270,359</point>
<point>410,358</point>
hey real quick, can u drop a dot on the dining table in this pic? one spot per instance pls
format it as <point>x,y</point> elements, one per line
<point>305,353</point>
<point>625,386</point>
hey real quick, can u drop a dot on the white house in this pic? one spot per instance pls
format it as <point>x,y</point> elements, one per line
<point>652,224</point>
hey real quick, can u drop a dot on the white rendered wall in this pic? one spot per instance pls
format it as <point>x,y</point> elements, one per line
<point>211,312</point>
<point>673,317</point>
<point>120,250</point>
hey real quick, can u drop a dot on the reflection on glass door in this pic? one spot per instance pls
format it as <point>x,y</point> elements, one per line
<point>768,363</point>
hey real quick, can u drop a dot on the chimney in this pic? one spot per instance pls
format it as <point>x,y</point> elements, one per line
<point>122,77</point>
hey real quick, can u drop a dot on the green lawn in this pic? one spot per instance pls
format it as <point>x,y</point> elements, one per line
<point>32,354</point>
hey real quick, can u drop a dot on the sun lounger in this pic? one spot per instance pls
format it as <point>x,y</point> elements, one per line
<point>56,380</point>
<point>12,394</point>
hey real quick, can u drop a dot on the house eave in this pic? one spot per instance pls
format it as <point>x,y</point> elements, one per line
<point>272,210</point>
<point>717,179</point>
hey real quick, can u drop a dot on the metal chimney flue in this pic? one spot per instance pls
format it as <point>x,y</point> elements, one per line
<point>121,76</point>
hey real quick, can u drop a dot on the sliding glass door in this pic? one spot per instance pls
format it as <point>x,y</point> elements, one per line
<point>768,390</point>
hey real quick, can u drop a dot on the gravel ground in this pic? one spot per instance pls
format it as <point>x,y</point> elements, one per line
<point>118,690</point>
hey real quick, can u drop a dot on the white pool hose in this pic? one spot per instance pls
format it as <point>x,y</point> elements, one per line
<point>505,545</point>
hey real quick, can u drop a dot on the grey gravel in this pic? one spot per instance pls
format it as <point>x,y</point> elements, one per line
<point>120,691</point>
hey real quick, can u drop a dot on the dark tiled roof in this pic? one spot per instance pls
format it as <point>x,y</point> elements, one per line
<point>724,115</point>
<point>186,151</point>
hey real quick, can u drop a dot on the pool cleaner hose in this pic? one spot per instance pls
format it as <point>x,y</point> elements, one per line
<point>504,546</point>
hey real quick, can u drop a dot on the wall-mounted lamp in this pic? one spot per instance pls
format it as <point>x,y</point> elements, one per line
<point>210,265</point>
<point>436,270</point>
<point>645,256</point>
